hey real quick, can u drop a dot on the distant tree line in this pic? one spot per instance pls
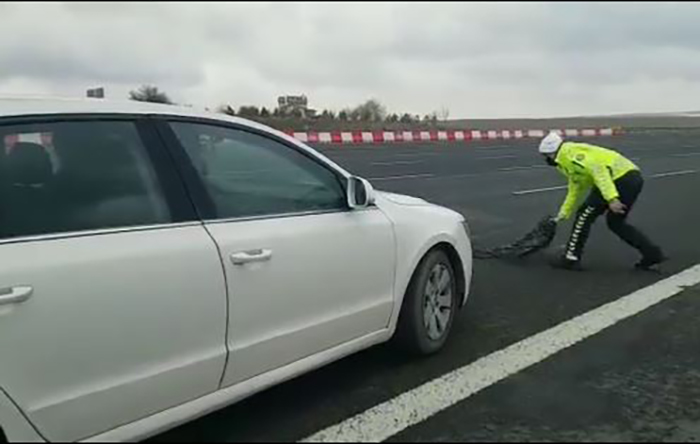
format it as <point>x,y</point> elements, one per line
<point>150,93</point>
<point>371,111</point>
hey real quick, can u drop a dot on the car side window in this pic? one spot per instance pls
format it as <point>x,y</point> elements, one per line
<point>251,175</point>
<point>74,176</point>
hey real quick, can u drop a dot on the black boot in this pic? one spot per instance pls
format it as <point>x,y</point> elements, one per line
<point>651,262</point>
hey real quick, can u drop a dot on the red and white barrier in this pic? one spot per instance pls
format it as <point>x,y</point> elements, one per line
<point>367,137</point>
<point>43,139</point>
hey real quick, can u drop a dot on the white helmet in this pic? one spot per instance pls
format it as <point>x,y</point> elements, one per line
<point>551,143</point>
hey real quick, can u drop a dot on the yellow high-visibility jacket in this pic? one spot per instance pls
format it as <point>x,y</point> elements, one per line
<point>586,166</point>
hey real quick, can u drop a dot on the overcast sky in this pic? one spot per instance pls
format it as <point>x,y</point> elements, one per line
<point>479,60</point>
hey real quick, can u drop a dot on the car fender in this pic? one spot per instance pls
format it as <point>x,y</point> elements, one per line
<point>405,273</point>
<point>418,230</point>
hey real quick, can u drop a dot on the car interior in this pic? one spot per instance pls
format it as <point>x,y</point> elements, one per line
<point>93,180</point>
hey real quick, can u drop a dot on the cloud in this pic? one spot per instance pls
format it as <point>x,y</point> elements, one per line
<point>490,60</point>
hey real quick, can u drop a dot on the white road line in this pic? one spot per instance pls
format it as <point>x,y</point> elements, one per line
<point>497,157</point>
<point>457,176</point>
<point>495,147</point>
<point>409,176</point>
<point>686,155</point>
<point>510,170</point>
<point>524,168</point>
<point>398,162</point>
<point>674,173</point>
<point>539,190</point>
<point>411,408</point>
<point>563,187</point>
<point>398,157</point>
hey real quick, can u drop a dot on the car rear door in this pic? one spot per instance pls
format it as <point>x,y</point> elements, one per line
<point>305,274</point>
<point>112,296</point>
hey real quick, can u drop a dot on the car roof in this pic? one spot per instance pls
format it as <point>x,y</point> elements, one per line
<point>33,106</point>
<point>40,106</point>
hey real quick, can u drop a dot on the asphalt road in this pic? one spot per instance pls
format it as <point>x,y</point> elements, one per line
<point>636,381</point>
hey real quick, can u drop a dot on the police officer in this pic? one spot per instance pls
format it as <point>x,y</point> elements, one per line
<point>614,183</point>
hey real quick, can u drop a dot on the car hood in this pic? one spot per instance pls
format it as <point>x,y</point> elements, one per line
<point>401,199</point>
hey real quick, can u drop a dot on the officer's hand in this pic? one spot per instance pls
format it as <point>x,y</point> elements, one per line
<point>618,207</point>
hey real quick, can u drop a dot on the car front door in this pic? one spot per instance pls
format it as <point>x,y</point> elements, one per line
<point>305,274</point>
<point>112,298</point>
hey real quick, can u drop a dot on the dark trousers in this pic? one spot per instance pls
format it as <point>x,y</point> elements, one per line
<point>630,187</point>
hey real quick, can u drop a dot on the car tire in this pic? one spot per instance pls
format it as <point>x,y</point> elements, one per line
<point>429,307</point>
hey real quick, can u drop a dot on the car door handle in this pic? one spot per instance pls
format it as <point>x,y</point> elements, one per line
<point>15,295</point>
<point>251,256</point>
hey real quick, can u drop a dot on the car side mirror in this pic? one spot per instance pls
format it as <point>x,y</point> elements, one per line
<point>360,193</point>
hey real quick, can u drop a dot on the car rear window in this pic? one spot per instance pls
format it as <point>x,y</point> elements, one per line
<point>75,176</point>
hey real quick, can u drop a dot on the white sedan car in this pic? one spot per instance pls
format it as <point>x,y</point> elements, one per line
<point>157,264</point>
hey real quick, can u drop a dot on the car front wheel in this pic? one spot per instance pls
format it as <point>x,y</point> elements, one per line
<point>429,306</point>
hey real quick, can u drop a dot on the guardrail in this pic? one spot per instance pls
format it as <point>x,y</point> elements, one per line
<point>368,137</point>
